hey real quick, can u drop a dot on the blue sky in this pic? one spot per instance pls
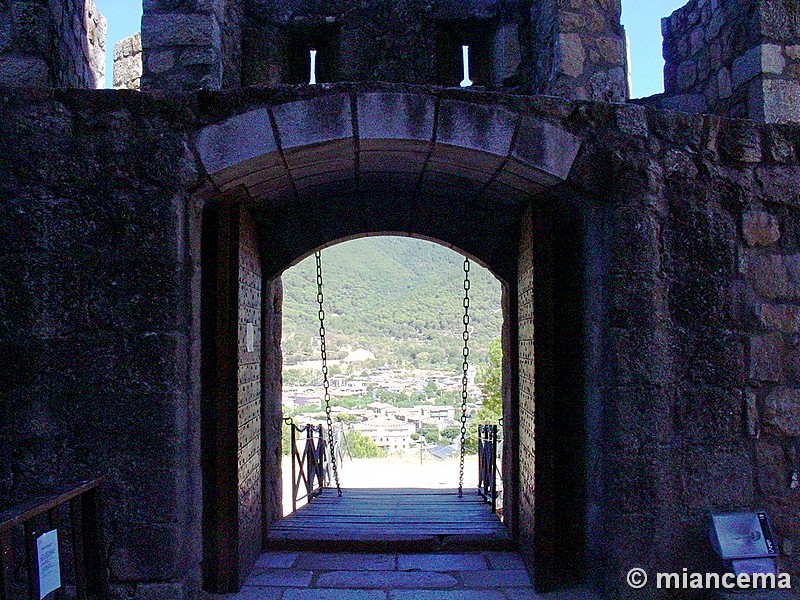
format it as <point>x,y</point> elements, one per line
<point>642,20</point>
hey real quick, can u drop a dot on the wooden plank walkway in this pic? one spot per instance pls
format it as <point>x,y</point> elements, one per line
<point>391,520</point>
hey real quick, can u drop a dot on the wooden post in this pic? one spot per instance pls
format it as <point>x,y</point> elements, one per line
<point>31,562</point>
<point>94,546</point>
<point>78,558</point>
<point>6,564</point>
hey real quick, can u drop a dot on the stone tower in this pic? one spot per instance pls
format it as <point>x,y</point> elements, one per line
<point>574,49</point>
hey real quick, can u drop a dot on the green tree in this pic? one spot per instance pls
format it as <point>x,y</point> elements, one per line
<point>489,379</point>
<point>432,389</point>
<point>361,446</point>
<point>345,418</point>
<point>451,432</point>
<point>430,433</point>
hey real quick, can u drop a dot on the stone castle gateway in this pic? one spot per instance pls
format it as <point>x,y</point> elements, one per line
<point>648,253</point>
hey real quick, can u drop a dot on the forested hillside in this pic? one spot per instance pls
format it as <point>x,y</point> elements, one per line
<point>400,298</point>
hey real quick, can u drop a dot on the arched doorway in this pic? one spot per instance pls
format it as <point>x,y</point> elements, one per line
<point>294,177</point>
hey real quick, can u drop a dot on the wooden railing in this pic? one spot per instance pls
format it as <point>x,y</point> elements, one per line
<point>311,460</point>
<point>21,527</point>
<point>490,479</point>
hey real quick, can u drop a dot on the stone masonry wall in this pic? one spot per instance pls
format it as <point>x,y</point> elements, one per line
<point>52,42</point>
<point>697,320</point>
<point>580,49</point>
<point>95,323</point>
<point>250,387</point>
<point>128,63</point>
<point>191,46</point>
<point>739,59</point>
<point>25,34</point>
<point>572,49</point>
<point>80,44</point>
<point>403,42</point>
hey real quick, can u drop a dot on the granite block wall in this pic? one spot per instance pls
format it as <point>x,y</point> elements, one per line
<point>95,323</point>
<point>695,288</point>
<point>737,59</point>
<point>580,50</point>
<point>191,45</point>
<point>128,63</point>
<point>52,43</point>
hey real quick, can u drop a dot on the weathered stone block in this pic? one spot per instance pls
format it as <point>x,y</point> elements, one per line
<point>395,117</point>
<point>23,71</point>
<point>716,477</point>
<point>746,67</point>
<point>442,562</point>
<point>237,140</point>
<point>724,83</point>
<point>281,577</point>
<point>781,415</point>
<point>771,467</point>
<point>159,591</point>
<point>484,128</point>
<point>766,357</point>
<point>549,149</point>
<point>772,60</point>
<point>147,553</point>
<point>780,317</point>
<point>760,228</point>
<point>160,61</point>
<point>690,103</point>
<point>386,579</point>
<point>686,75</point>
<point>174,29</point>
<point>774,276</point>
<point>751,414</point>
<point>570,54</point>
<point>641,413</point>
<point>741,141</point>
<point>314,121</point>
<point>710,415</point>
<point>781,101</point>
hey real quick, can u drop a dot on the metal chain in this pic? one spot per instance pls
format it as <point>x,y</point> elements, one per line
<point>464,379</point>
<point>325,383</point>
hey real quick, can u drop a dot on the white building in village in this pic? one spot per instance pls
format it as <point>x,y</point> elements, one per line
<point>391,435</point>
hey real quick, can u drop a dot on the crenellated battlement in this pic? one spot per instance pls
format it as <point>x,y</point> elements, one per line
<point>738,59</point>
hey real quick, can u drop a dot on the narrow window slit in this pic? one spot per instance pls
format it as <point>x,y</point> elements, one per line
<point>466,82</point>
<point>313,75</point>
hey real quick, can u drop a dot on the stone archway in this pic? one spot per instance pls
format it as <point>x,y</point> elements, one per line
<point>473,176</point>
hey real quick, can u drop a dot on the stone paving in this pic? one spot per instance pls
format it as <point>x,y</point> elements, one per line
<point>347,576</point>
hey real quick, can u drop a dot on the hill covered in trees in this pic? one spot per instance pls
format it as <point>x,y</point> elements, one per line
<point>400,298</point>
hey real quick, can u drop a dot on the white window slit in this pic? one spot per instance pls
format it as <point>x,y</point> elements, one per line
<point>466,82</point>
<point>313,75</point>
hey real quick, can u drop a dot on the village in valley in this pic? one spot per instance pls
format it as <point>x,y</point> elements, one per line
<point>400,410</point>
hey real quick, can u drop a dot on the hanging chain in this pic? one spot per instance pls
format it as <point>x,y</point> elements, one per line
<point>464,379</point>
<point>325,383</point>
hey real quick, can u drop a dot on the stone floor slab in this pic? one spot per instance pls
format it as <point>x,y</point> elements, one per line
<point>442,562</point>
<point>276,560</point>
<point>447,595</point>
<point>385,580</point>
<point>500,578</point>
<point>530,594</point>
<point>315,594</point>
<point>248,593</point>
<point>504,560</point>
<point>317,561</point>
<point>280,578</point>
